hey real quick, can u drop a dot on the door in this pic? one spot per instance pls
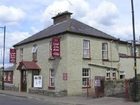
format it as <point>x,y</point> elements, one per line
<point>99,86</point>
<point>23,81</point>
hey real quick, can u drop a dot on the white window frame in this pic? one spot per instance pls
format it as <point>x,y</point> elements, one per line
<point>105,51</point>
<point>108,72</point>
<point>86,48</point>
<point>114,76</point>
<point>34,52</point>
<point>21,54</point>
<point>86,77</point>
<point>51,78</point>
<point>50,49</point>
<point>122,73</point>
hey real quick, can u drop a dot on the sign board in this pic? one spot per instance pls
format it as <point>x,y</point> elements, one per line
<point>12,55</point>
<point>37,81</point>
<point>56,47</point>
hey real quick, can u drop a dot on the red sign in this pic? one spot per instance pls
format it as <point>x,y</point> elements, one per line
<point>12,55</point>
<point>56,47</point>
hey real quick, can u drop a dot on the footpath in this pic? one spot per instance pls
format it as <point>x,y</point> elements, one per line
<point>72,100</point>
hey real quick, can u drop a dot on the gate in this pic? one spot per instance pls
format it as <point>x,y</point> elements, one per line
<point>99,86</point>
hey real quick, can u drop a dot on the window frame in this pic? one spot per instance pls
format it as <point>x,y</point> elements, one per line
<point>34,52</point>
<point>105,51</point>
<point>21,54</point>
<point>51,79</point>
<point>34,72</point>
<point>86,49</point>
<point>86,76</point>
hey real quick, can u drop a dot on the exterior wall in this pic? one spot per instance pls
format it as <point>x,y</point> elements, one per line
<point>76,61</point>
<point>45,63</point>
<point>72,62</point>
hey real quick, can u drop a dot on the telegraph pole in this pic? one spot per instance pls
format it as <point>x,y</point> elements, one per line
<point>135,62</point>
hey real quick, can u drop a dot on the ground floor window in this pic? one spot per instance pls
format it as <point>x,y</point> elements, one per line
<point>85,77</point>
<point>111,74</point>
<point>122,74</point>
<point>52,78</point>
<point>34,72</point>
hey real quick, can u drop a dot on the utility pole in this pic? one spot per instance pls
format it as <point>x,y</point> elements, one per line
<point>135,61</point>
<point>4,33</point>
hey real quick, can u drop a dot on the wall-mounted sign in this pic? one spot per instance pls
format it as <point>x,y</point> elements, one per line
<point>37,81</point>
<point>12,56</point>
<point>56,47</point>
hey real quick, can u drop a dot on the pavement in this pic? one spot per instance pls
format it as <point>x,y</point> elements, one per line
<point>72,100</point>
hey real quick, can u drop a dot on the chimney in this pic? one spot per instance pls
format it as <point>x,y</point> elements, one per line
<point>60,17</point>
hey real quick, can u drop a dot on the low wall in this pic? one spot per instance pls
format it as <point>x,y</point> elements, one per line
<point>114,87</point>
<point>10,87</point>
<point>47,93</point>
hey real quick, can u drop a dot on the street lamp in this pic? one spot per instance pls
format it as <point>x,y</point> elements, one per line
<point>135,62</point>
<point>4,32</point>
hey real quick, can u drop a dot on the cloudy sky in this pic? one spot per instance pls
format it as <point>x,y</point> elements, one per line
<point>23,18</point>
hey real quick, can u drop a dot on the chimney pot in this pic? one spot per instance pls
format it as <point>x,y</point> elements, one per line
<point>60,17</point>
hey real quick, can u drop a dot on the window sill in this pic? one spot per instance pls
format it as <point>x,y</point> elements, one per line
<point>105,59</point>
<point>51,88</point>
<point>86,87</point>
<point>53,58</point>
<point>86,58</point>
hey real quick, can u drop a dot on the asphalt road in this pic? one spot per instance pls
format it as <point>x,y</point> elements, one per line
<point>13,100</point>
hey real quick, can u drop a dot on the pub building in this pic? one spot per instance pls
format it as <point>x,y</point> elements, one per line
<point>69,58</point>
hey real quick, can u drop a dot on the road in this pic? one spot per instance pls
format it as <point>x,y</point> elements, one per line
<point>13,100</point>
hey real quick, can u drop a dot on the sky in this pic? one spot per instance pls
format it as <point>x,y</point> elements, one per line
<point>24,18</point>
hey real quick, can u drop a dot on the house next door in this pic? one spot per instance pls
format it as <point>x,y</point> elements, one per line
<point>23,81</point>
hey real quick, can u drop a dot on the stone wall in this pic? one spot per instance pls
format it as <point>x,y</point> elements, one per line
<point>114,87</point>
<point>47,93</point>
<point>10,87</point>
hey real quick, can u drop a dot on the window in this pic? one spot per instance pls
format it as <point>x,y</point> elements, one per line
<point>21,54</point>
<point>85,77</point>
<point>86,49</point>
<point>52,78</point>
<point>104,51</point>
<point>50,49</point>
<point>34,52</point>
<point>108,74</point>
<point>111,74</point>
<point>122,74</point>
<point>34,72</point>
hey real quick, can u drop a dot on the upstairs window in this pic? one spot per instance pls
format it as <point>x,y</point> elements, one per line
<point>34,52</point>
<point>104,51</point>
<point>86,49</point>
<point>21,54</point>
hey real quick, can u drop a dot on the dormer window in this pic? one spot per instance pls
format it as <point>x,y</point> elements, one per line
<point>34,52</point>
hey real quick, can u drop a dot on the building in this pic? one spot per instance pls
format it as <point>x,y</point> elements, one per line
<point>70,57</point>
<point>8,74</point>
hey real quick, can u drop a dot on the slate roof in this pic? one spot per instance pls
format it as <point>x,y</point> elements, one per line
<point>29,65</point>
<point>67,26</point>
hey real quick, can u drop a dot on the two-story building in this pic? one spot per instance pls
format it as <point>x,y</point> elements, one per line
<point>70,56</point>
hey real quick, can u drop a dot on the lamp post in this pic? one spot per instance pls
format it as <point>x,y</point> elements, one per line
<point>4,32</point>
<point>134,43</point>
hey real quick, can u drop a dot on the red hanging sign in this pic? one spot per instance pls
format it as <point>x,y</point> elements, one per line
<point>56,47</point>
<point>12,55</point>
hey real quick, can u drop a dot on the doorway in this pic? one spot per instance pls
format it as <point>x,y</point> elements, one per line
<point>23,81</point>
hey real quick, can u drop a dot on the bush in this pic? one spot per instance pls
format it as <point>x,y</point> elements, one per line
<point>135,88</point>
